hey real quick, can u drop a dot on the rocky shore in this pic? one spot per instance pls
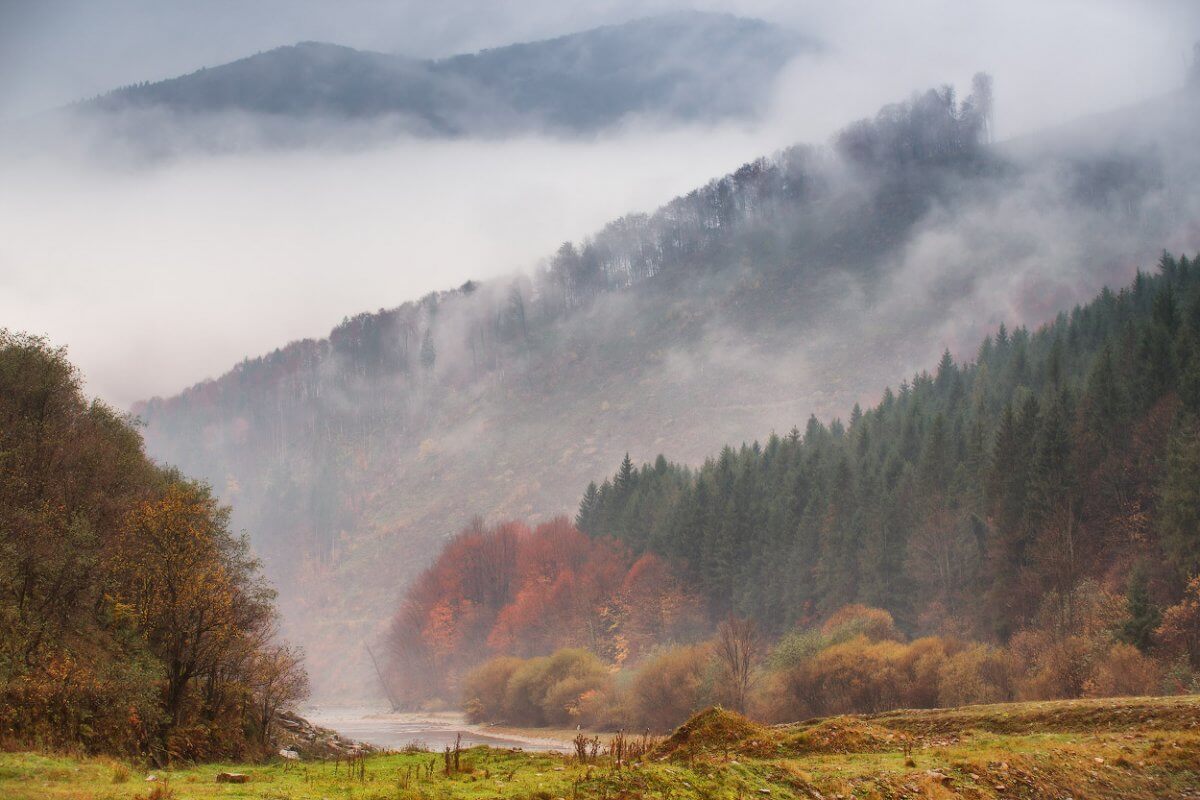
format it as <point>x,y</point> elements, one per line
<point>305,741</point>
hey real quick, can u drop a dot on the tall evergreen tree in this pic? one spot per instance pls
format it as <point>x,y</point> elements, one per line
<point>1142,617</point>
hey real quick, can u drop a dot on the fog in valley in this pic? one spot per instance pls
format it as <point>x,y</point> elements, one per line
<point>104,244</point>
<point>479,367</point>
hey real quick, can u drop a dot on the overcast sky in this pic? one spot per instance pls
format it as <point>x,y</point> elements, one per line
<point>157,278</point>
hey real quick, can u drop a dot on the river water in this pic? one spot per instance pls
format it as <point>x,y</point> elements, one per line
<point>434,731</point>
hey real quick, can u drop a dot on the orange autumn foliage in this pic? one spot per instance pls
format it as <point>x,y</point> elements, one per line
<point>509,590</point>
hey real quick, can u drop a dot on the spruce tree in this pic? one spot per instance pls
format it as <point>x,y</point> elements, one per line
<point>624,480</point>
<point>1179,501</point>
<point>1143,617</point>
<point>585,519</point>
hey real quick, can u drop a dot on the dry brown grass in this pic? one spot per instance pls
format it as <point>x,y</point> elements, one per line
<point>842,735</point>
<point>1100,715</point>
<point>717,731</point>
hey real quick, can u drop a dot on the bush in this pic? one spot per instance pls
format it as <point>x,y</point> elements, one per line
<point>977,674</point>
<point>101,705</point>
<point>670,686</point>
<point>1179,633</point>
<point>485,688</point>
<point>1053,668</point>
<point>854,676</point>
<point>1179,678</point>
<point>796,647</point>
<point>874,624</point>
<point>547,690</point>
<point>860,676</point>
<point>524,692</point>
<point>920,663</point>
<point>562,703</point>
<point>609,708</point>
<point>1069,635</point>
<point>1123,671</point>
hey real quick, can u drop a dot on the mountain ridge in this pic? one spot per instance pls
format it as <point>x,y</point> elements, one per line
<point>686,66</point>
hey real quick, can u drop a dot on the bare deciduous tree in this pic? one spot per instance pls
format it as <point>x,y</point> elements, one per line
<point>739,646</point>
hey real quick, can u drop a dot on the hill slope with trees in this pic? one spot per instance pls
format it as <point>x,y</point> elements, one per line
<point>679,68</point>
<point>796,284</point>
<point>967,497</point>
<point>134,622</point>
<point>1021,526</point>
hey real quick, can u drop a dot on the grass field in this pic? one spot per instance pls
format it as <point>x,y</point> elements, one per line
<point>1127,748</point>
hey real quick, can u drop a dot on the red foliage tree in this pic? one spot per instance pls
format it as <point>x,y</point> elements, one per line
<point>507,590</point>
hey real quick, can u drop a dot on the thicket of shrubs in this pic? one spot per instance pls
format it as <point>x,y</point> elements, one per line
<point>855,662</point>
<point>549,690</point>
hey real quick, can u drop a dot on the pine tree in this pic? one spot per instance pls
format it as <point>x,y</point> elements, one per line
<point>1104,406</point>
<point>1179,501</point>
<point>1165,312</point>
<point>717,559</point>
<point>946,373</point>
<point>625,480</point>
<point>585,519</point>
<point>1143,617</point>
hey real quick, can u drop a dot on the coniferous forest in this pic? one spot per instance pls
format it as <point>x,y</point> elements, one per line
<point>970,495</point>
<point>1017,526</point>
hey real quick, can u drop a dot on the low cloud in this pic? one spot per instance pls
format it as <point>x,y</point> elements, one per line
<point>159,275</point>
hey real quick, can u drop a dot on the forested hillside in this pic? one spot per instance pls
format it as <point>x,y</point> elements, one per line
<point>1021,526</point>
<point>797,284</point>
<point>132,620</point>
<point>968,498</point>
<point>676,68</point>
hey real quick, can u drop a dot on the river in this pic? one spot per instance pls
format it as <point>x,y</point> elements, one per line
<point>434,731</point>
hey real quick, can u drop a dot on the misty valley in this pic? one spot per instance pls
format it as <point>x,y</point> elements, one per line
<point>865,466</point>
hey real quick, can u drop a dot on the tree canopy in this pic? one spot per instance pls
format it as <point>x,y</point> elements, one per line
<point>134,620</point>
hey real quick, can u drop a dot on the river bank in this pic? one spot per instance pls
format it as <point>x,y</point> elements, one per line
<point>430,730</point>
<point>1109,749</point>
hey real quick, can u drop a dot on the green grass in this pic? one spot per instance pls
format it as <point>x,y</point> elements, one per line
<point>1094,749</point>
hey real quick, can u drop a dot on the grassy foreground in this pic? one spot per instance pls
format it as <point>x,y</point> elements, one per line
<point>1122,748</point>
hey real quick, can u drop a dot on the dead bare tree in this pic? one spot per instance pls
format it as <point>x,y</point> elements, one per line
<point>739,647</point>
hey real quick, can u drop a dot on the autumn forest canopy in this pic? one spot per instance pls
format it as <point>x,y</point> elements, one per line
<point>134,621</point>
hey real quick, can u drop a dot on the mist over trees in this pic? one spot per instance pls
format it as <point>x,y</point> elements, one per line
<point>970,497</point>
<point>725,312</point>
<point>1022,526</point>
<point>134,621</point>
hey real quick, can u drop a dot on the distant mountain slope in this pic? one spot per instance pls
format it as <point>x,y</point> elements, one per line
<point>684,66</point>
<point>797,284</point>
